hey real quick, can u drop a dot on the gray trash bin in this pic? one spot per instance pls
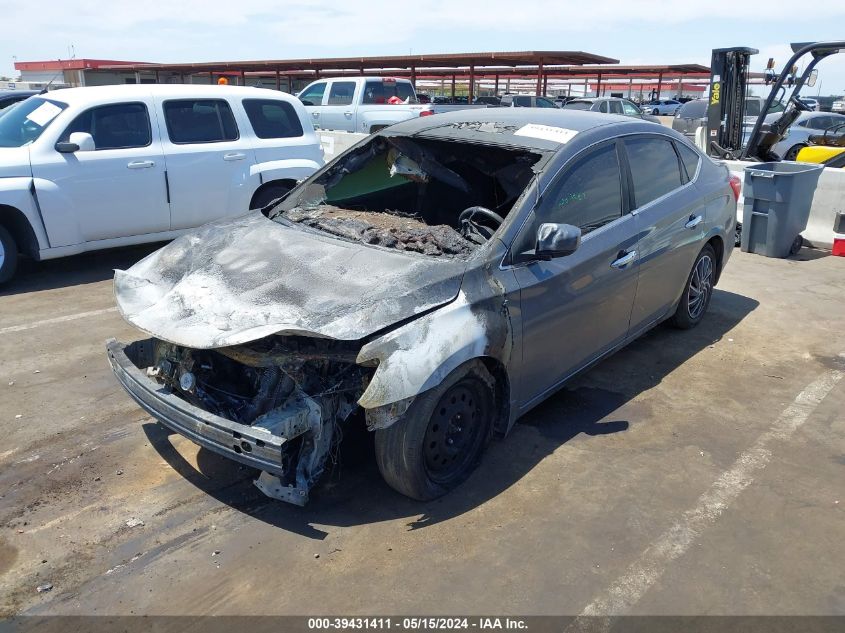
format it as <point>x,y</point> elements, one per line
<point>777,203</point>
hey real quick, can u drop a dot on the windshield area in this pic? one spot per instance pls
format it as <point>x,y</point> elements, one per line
<point>434,197</point>
<point>26,121</point>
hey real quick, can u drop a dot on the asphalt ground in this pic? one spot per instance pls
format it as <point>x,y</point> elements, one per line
<point>696,472</point>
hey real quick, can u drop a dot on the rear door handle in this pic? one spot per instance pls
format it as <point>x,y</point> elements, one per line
<point>234,156</point>
<point>694,221</point>
<point>315,115</point>
<point>141,164</point>
<point>626,259</point>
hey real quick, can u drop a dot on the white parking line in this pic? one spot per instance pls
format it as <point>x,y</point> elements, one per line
<point>61,319</point>
<point>642,574</point>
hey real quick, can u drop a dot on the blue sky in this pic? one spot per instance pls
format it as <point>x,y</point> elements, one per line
<point>208,30</point>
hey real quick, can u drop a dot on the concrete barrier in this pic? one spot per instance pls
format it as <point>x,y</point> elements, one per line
<point>828,200</point>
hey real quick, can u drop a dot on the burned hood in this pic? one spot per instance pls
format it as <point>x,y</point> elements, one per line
<point>241,280</point>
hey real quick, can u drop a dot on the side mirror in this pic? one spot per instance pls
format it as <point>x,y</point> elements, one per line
<point>811,80</point>
<point>556,240</point>
<point>78,142</point>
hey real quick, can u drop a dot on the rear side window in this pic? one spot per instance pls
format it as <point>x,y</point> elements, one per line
<point>693,110</point>
<point>615,107</point>
<point>654,168</point>
<point>378,92</point>
<point>272,119</point>
<point>689,158</point>
<point>587,196</point>
<point>577,105</point>
<point>116,126</point>
<point>199,121</point>
<point>341,92</point>
<point>603,107</point>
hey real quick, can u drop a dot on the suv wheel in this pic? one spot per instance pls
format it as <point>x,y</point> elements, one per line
<point>439,441</point>
<point>8,255</point>
<point>268,194</point>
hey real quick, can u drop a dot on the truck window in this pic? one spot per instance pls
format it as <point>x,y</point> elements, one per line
<point>115,126</point>
<point>272,119</point>
<point>313,94</point>
<point>27,120</point>
<point>378,92</point>
<point>341,93</point>
<point>199,121</point>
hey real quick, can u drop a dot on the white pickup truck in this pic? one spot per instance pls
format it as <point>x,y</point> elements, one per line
<point>90,168</point>
<point>361,104</point>
<point>366,104</point>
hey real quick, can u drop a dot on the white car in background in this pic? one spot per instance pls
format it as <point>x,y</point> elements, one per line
<point>838,106</point>
<point>83,169</point>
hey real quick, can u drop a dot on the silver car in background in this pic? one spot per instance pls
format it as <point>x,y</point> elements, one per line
<point>806,125</point>
<point>609,105</point>
<point>690,116</point>
<point>663,107</point>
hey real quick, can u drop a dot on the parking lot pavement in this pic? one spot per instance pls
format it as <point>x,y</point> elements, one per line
<point>695,472</point>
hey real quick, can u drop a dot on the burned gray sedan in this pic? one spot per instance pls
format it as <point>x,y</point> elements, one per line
<point>434,282</point>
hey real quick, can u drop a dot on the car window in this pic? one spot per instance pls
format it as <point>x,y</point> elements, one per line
<point>341,92</point>
<point>819,122</point>
<point>313,95</point>
<point>522,102</point>
<point>630,109</point>
<point>378,92</point>
<point>603,106</point>
<point>27,120</point>
<point>588,196</point>
<point>199,121</point>
<point>615,107</point>
<point>272,119</point>
<point>115,126</point>
<point>578,105</point>
<point>752,107</point>
<point>690,158</point>
<point>545,103</point>
<point>654,168</point>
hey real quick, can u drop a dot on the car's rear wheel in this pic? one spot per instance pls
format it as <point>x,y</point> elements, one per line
<point>698,290</point>
<point>655,112</point>
<point>438,442</point>
<point>8,255</point>
<point>792,152</point>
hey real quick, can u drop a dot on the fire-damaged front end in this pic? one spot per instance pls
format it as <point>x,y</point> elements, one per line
<point>361,291</point>
<point>275,404</point>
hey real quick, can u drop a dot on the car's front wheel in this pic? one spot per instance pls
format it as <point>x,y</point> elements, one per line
<point>655,112</point>
<point>270,192</point>
<point>698,290</point>
<point>438,442</point>
<point>8,255</point>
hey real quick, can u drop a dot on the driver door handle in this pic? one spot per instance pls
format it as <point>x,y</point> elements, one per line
<point>234,156</point>
<point>694,221</point>
<point>626,259</point>
<point>140,164</point>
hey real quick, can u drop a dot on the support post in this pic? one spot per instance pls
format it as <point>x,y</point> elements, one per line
<point>545,84</point>
<point>496,87</point>
<point>659,85</point>
<point>243,77</point>
<point>414,78</point>
<point>539,77</point>
<point>598,85</point>
<point>453,87</point>
<point>471,92</point>
<point>278,81</point>
<point>156,76</point>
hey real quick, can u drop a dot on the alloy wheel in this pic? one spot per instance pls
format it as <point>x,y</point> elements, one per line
<point>700,287</point>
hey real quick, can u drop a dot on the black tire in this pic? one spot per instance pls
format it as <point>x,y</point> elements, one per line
<point>655,112</point>
<point>8,255</point>
<point>693,306</point>
<point>738,234</point>
<point>422,455</point>
<point>268,194</point>
<point>792,152</point>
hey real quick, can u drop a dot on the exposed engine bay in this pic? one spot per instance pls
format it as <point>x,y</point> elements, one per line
<point>299,390</point>
<point>434,197</point>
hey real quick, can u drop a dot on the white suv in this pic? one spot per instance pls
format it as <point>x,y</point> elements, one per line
<point>90,168</point>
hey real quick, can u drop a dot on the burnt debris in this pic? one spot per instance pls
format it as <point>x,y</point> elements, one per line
<point>386,229</point>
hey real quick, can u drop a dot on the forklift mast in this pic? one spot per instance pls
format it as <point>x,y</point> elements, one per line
<point>726,112</point>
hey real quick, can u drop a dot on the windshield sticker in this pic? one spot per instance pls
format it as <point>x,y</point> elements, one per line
<point>44,113</point>
<point>546,132</point>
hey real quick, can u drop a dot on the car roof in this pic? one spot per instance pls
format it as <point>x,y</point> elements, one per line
<point>96,94</point>
<point>497,126</point>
